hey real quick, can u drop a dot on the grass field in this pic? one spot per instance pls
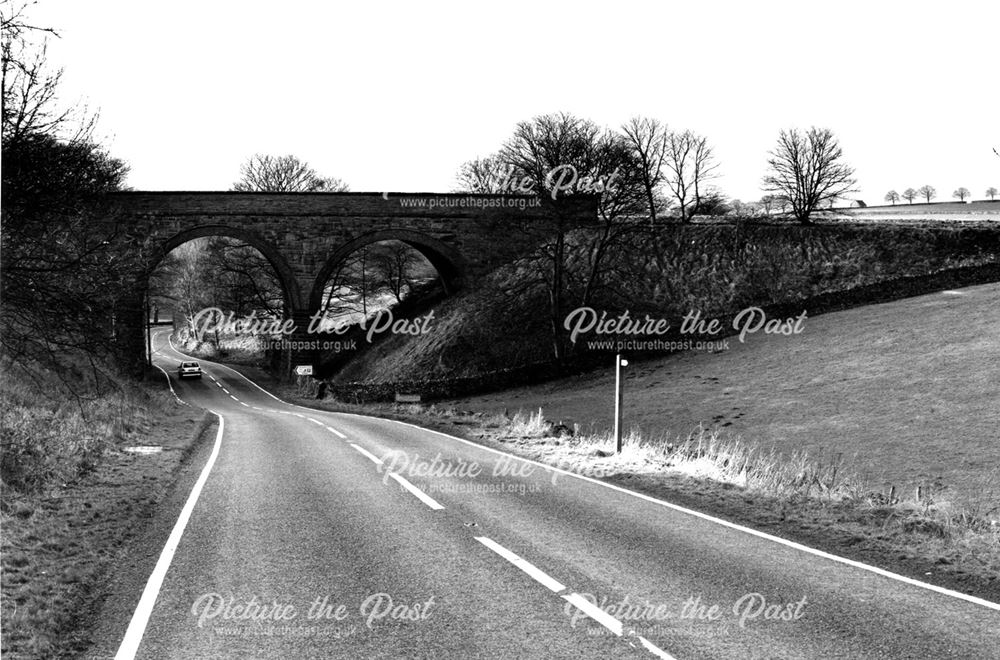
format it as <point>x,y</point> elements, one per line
<point>907,392</point>
<point>948,212</point>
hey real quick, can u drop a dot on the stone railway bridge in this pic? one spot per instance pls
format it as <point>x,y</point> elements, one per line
<point>305,236</point>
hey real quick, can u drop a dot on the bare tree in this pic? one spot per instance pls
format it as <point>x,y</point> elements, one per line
<point>992,192</point>
<point>689,162</point>
<point>551,149</point>
<point>647,138</point>
<point>909,195</point>
<point>393,267</point>
<point>784,203</point>
<point>808,169</point>
<point>892,196</point>
<point>961,193</point>
<point>488,174</point>
<point>927,192</point>
<point>538,148</point>
<point>705,166</point>
<point>30,88</point>
<point>66,263</point>
<point>264,173</point>
<point>747,209</point>
<point>767,203</point>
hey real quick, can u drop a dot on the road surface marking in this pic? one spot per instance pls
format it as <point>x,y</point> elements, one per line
<point>256,408</point>
<point>537,574</point>
<point>336,433</point>
<point>719,521</point>
<point>364,452</point>
<point>174,349</point>
<point>233,398</point>
<point>575,599</point>
<point>243,404</point>
<point>170,385</point>
<point>655,650</point>
<point>594,612</point>
<point>316,421</point>
<point>691,512</point>
<point>140,618</point>
<point>224,389</point>
<point>419,494</point>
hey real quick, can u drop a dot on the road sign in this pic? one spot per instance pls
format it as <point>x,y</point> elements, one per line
<point>304,370</point>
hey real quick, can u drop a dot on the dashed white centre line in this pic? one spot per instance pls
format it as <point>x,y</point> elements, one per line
<point>575,599</point>
<point>233,398</point>
<point>364,452</point>
<point>243,404</point>
<point>594,612</point>
<point>336,433</point>
<point>537,574</point>
<point>416,492</point>
<point>654,649</point>
<point>419,494</point>
<point>316,421</point>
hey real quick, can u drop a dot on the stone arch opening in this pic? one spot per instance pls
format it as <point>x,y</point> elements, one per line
<point>446,261</point>
<point>286,277</point>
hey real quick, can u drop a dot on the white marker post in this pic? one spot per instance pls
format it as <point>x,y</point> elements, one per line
<point>619,363</point>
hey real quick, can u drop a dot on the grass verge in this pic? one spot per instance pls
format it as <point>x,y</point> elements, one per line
<point>75,493</point>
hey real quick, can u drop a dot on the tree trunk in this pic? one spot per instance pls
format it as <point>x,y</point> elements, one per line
<point>555,294</point>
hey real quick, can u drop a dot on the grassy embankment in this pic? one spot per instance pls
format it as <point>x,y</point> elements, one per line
<point>716,270</point>
<point>73,496</point>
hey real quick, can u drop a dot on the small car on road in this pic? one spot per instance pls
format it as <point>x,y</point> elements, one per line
<point>189,370</point>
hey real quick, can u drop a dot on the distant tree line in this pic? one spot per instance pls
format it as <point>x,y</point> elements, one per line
<point>928,193</point>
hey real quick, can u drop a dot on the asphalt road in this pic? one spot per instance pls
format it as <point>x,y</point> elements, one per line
<point>327,535</point>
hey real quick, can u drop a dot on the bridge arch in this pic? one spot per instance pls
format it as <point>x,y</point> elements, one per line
<point>289,285</point>
<point>446,260</point>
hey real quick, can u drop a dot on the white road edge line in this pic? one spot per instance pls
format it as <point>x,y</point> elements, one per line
<point>719,521</point>
<point>419,494</point>
<point>675,507</point>
<point>171,385</point>
<point>140,618</point>
<point>536,573</point>
<point>364,452</point>
<point>240,374</point>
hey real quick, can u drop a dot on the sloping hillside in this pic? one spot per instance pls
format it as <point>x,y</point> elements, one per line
<point>908,392</point>
<point>712,269</point>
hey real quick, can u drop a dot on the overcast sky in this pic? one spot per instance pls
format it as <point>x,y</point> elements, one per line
<point>397,96</point>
